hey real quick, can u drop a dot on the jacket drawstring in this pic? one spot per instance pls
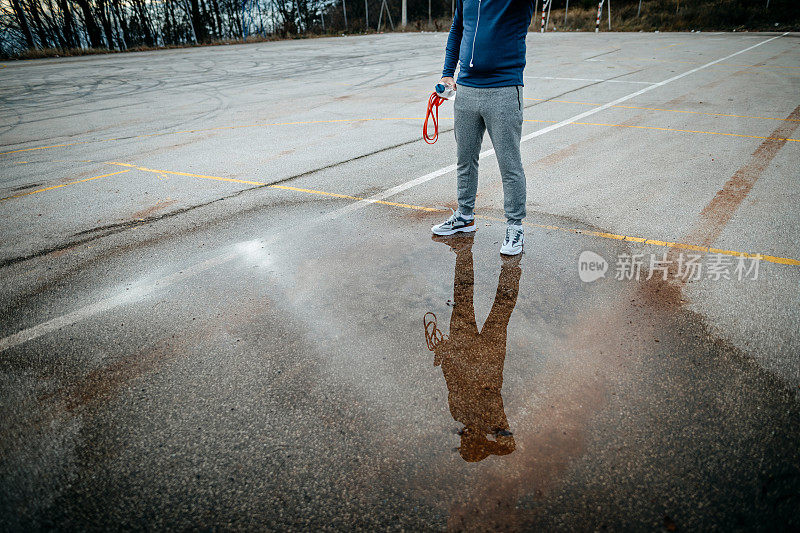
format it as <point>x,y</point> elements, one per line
<point>477,22</point>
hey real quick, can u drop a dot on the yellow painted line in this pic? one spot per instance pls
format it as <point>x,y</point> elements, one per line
<point>654,242</point>
<point>600,234</point>
<point>562,101</point>
<point>760,66</point>
<point>314,191</point>
<point>667,110</point>
<point>62,185</point>
<point>687,131</point>
<point>262,184</point>
<point>668,46</point>
<point>724,65</point>
<point>43,147</point>
<point>188,174</point>
<point>354,120</point>
<point>357,198</point>
<point>780,260</point>
<point>260,125</point>
<point>220,128</point>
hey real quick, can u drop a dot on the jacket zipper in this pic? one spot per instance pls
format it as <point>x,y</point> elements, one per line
<point>477,22</point>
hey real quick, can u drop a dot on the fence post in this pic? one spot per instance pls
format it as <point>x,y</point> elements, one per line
<point>599,12</point>
<point>545,3</point>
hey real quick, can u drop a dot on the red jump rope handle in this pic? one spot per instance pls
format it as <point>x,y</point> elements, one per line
<point>433,113</point>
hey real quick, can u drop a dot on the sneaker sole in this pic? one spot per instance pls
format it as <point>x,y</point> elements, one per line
<point>465,229</point>
<point>521,249</point>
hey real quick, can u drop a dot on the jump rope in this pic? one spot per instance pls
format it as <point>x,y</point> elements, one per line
<point>441,93</point>
<point>433,335</point>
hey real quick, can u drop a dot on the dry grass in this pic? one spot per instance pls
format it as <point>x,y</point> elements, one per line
<point>74,52</point>
<point>682,15</point>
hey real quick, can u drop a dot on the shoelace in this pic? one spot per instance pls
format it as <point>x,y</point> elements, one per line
<point>513,234</point>
<point>453,217</point>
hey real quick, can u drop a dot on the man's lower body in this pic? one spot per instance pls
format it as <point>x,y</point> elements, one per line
<point>497,110</point>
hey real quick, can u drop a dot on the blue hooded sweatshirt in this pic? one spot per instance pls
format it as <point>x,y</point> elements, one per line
<point>487,38</point>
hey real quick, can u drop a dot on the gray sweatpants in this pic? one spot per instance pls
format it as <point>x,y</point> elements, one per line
<point>499,110</point>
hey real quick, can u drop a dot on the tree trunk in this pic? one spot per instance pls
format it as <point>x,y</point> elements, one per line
<point>122,24</point>
<point>23,23</point>
<point>69,25</point>
<point>138,7</point>
<point>168,30</point>
<point>95,37</point>
<point>55,29</point>
<point>190,16</point>
<point>207,16</point>
<point>41,33</point>
<point>106,22</point>
<point>218,17</point>
<point>197,22</point>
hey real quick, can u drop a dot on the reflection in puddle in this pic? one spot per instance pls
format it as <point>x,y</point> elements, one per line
<point>472,361</point>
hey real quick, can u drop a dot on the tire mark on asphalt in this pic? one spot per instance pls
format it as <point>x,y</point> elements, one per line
<point>603,54</point>
<point>720,210</point>
<point>118,227</point>
<point>397,189</point>
<point>85,312</point>
<point>98,232</point>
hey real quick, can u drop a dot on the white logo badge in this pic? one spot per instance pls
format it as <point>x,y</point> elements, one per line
<point>591,266</point>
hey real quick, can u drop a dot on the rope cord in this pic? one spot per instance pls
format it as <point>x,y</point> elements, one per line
<point>433,335</point>
<point>433,104</point>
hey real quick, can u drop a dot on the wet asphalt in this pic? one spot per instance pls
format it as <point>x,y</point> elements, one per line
<point>187,346</point>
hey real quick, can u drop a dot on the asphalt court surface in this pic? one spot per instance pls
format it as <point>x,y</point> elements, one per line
<point>214,309</point>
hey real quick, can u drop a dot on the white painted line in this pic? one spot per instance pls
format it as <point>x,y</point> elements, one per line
<point>436,173</point>
<point>138,292</point>
<point>131,295</point>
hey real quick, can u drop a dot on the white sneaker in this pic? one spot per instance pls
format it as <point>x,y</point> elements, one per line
<point>457,222</point>
<point>514,241</point>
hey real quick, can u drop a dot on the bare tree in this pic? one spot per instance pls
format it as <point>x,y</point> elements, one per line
<point>22,20</point>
